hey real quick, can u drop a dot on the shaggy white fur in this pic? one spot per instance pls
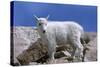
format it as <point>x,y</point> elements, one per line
<point>55,33</point>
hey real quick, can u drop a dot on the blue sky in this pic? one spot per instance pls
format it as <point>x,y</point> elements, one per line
<point>23,14</point>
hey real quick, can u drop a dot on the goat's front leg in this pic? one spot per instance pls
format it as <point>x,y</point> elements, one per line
<point>51,53</point>
<point>51,59</point>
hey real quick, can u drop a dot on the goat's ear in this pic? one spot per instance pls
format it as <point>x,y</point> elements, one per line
<point>47,17</point>
<point>36,17</point>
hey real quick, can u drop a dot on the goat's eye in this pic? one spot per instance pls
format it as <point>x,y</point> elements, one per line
<point>39,24</point>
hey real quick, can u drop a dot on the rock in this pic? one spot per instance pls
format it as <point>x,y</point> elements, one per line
<point>34,63</point>
<point>22,37</point>
<point>61,60</point>
<point>91,54</point>
<point>33,53</point>
<point>62,54</point>
<point>89,36</point>
<point>67,53</point>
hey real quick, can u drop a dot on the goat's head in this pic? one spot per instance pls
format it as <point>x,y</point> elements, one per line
<point>41,23</point>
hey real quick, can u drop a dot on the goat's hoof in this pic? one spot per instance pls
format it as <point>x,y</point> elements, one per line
<point>51,62</point>
<point>70,58</point>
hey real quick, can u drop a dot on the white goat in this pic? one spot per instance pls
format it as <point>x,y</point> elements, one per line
<point>55,33</point>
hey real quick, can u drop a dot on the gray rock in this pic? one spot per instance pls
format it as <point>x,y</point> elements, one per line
<point>89,36</point>
<point>22,39</point>
<point>34,52</point>
<point>91,54</point>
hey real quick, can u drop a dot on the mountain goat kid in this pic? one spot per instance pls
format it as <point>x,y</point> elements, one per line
<point>55,33</point>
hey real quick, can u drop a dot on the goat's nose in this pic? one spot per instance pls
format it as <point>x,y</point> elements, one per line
<point>43,31</point>
<point>39,24</point>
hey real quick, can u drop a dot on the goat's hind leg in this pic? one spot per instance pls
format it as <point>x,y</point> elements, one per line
<point>77,49</point>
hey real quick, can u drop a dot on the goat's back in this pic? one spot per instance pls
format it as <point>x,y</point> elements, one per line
<point>62,31</point>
